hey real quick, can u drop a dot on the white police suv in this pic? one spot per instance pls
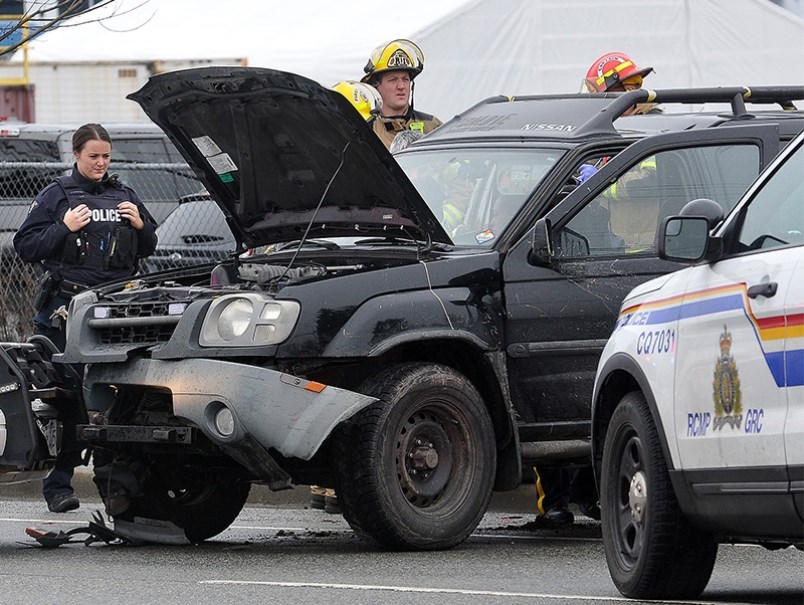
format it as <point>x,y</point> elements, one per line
<point>698,407</point>
<point>39,409</point>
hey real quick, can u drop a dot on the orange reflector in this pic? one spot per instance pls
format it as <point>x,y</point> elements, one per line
<point>315,387</point>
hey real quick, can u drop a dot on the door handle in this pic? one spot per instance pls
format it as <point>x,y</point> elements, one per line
<point>766,289</point>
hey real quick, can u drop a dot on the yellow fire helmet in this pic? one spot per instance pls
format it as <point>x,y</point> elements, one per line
<point>395,55</point>
<point>365,98</point>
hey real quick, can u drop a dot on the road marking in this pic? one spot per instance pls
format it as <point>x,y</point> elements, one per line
<point>44,521</point>
<point>534,537</point>
<point>272,528</point>
<point>416,589</point>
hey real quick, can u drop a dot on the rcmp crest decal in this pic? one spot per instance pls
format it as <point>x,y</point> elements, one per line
<point>726,387</point>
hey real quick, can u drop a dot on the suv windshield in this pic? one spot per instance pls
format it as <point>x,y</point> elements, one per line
<point>476,192</point>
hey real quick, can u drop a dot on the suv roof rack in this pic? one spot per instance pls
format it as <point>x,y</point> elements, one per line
<point>736,96</point>
<point>585,115</point>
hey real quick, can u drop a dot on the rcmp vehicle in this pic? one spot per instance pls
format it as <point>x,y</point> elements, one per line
<point>412,369</point>
<point>39,409</point>
<point>698,414</point>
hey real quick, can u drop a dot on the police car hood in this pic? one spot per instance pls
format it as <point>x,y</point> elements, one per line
<point>654,288</point>
<point>284,156</point>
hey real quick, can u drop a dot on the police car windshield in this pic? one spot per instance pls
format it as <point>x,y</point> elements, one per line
<point>475,193</point>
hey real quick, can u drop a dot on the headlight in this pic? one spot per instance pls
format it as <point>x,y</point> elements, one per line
<point>235,318</point>
<point>248,320</point>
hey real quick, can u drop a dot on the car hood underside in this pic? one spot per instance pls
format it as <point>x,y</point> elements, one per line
<point>285,157</point>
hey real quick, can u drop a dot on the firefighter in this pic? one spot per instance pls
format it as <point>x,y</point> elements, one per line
<point>84,229</point>
<point>557,487</point>
<point>391,69</point>
<point>367,101</point>
<point>364,97</point>
<point>616,72</point>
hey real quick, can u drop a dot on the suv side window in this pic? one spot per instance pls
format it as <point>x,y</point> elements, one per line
<point>19,182</point>
<point>625,216</point>
<point>775,216</point>
<point>159,183</point>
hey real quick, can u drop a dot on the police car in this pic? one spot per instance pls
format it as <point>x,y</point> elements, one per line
<point>698,406</point>
<point>39,409</point>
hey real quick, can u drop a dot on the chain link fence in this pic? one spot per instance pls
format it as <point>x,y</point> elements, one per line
<point>192,228</point>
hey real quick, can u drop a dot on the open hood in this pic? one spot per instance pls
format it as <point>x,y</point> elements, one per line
<point>280,153</point>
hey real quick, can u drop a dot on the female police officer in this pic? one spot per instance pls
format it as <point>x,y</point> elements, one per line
<point>85,229</point>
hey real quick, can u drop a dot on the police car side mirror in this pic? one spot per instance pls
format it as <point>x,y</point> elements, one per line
<point>541,249</point>
<point>686,239</point>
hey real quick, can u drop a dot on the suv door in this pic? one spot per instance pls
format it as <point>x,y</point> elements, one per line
<point>794,355</point>
<point>561,309</point>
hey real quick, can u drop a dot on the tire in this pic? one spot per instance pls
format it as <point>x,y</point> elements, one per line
<point>416,469</point>
<point>203,508</point>
<point>651,550</point>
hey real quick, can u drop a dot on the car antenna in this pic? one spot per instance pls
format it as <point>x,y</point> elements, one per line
<point>315,213</point>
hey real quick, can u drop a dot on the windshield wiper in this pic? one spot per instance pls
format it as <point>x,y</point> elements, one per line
<point>317,243</point>
<point>429,245</point>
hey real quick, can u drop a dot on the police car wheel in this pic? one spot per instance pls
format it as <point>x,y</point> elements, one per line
<point>651,550</point>
<point>416,469</point>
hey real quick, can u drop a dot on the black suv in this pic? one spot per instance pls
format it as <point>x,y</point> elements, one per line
<point>370,350</point>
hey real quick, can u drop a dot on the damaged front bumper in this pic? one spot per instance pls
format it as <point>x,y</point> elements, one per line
<point>245,410</point>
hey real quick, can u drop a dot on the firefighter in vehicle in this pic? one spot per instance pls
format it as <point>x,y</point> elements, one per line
<point>391,69</point>
<point>83,229</point>
<point>611,72</point>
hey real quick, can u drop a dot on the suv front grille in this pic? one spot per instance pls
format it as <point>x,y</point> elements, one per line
<point>139,323</point>
<point>140,309</point>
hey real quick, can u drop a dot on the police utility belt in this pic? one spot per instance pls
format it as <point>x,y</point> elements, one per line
<point>51,284</point>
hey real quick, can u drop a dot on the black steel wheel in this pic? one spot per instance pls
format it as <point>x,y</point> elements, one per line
<point>651,550</point>
<point>416,469</point>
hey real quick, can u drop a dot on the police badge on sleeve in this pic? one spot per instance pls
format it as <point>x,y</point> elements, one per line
<point>726,387</point>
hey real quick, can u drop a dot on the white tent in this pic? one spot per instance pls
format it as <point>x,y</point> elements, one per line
<point>515,47</point>
<point>473,48</point>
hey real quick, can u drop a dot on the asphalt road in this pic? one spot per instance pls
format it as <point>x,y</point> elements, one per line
<point>292,555</point>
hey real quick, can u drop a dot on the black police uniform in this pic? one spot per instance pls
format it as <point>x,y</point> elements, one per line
<point>104,250</point>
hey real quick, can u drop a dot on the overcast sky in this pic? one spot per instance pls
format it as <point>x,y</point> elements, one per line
<point>320,39</point>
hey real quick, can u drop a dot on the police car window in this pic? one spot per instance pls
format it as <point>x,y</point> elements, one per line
<point>775,216</point>
<point>477,193</point>
<point>624,217</point>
